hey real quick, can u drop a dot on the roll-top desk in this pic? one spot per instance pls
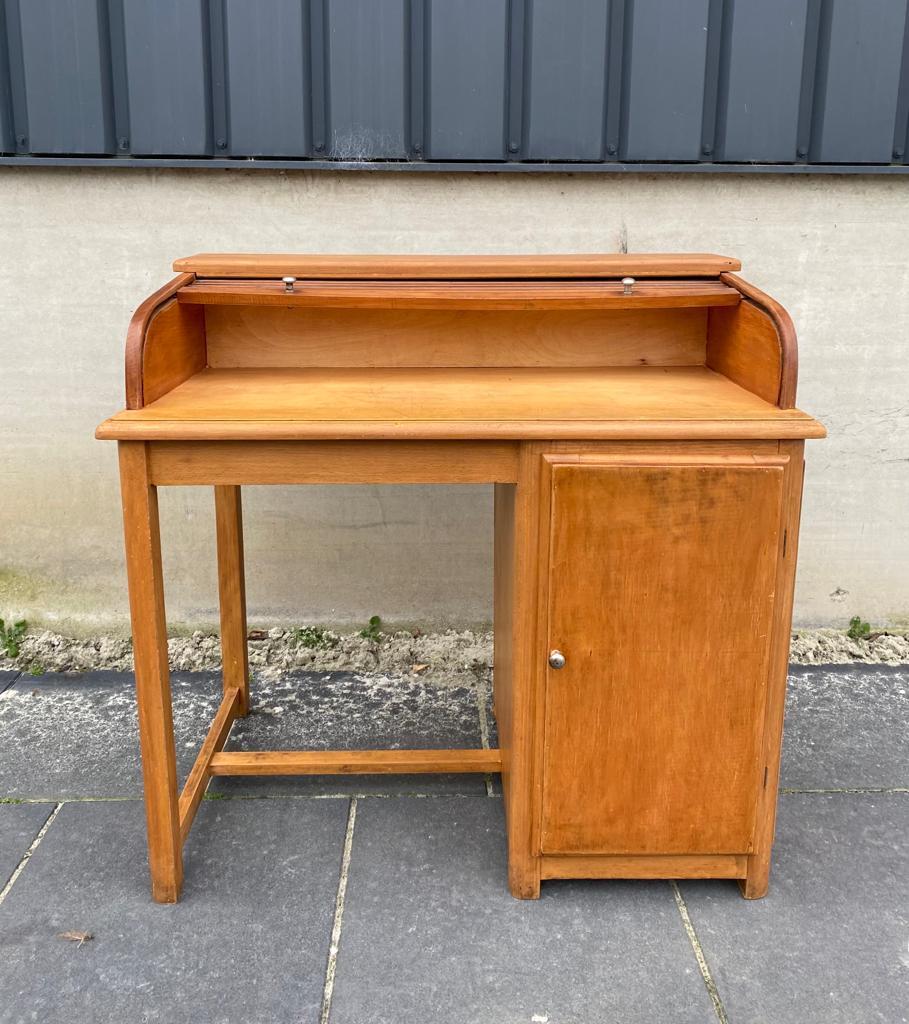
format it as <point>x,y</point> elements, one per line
<point>636,414</point>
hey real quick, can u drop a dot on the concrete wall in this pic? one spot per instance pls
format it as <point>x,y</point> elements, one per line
<point>81,248</point>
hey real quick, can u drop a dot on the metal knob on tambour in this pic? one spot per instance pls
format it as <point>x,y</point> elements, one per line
<point>556,659</point>
<point>627,285</point>
<point>289,283</point>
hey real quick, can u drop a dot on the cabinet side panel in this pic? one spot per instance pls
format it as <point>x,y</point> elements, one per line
<point>757,881</point>
<point>174,349</point>
<point>662,582</point>
<point>743,345</point>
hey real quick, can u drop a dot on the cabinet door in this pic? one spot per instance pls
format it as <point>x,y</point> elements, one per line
<point>661,598</point>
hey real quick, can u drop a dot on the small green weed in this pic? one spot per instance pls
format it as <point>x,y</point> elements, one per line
<point>858,630</point>
<point>36,668</point>
<point>11,637</point>
<point>372,630</point>
<point>314,637</point>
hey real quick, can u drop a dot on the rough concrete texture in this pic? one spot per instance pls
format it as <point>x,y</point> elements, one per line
<point>89,244</point>
<point>452,658</point>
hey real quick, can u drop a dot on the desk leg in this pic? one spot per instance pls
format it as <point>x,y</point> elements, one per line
<point>516,670</point>
<point>156,727</point>
<point>232,592</point>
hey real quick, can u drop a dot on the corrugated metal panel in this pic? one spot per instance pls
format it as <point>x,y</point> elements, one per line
<point>367,80</point>
<point>7,142</point>
<point>509,84</point>
<point>167,67</point>
<point>859,74</point>
<point>566,75</point>
<point>467,71</point>
<point>67,79</point>
<point>267,78</point>
<point>666,53</point>
<point>763,73</point>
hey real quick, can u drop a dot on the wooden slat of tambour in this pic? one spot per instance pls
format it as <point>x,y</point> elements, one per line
<point>200,773</point>
<point>456,267</point>
<point>353,762</point>
<point>492,295</point>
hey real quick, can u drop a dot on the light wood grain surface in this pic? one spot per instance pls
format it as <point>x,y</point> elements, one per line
<point>491,295</point>
<point>456,267</point>
<point>274,336</point>
<point>661,598</point>
<point>406,402</point>
<point>353,762</point>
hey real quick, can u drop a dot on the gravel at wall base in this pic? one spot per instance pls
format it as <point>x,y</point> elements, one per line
<point>450,658</point>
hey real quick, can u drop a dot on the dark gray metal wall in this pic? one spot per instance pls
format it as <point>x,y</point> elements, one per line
<point>419,84</point>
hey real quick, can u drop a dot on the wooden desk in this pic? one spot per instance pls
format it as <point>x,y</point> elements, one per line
<point>647,461</point>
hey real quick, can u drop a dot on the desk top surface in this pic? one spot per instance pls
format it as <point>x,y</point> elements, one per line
<point>458,403</point>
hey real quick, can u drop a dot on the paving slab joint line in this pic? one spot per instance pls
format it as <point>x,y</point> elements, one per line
<point>484,729</point>
<point>848,790</point>
<point>12,682</point>
<point>709,983</point>
<point>332,964</point>
<point>209,797</point>
<point>20,867</point>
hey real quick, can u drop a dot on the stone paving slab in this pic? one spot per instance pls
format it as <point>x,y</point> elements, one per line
<point>248,943</point>
<point>347,711</point>
<point>828,944</point>
<point>19,824</point>
<point>85,727</point>
<point>431,933</point>
<point>846,727</point>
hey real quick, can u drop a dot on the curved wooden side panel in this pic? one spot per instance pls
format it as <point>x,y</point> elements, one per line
<point>165,344</point>
<point>754,344</point>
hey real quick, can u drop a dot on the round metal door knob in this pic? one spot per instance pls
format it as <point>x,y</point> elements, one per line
<point>289,283</point>
<point>556,659</point>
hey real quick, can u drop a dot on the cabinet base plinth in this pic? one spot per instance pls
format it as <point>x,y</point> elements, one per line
<point>719,865</point>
